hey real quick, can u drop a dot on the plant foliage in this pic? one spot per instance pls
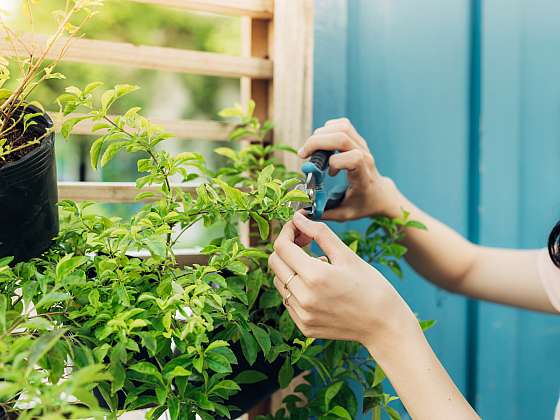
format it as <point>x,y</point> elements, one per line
<point>107,321</point>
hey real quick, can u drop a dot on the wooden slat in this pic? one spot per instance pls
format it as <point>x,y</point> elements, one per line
<point>260,9</point>
<point>183,129</point>
<point>293,74</point>
<point>146,57</point>
<point>106,192</point>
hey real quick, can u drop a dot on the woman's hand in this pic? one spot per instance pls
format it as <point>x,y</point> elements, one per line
<point>346,299</point>
<point>369,193</point>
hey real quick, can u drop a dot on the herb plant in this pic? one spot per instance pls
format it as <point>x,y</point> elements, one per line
<point>29,70</point>
<point>91,329</point>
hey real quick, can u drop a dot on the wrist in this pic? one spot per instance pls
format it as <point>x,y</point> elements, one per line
<point>394,200</point>
<point>399,333</point>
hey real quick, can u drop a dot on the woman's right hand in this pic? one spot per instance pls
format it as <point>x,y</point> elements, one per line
<point>369,192</point>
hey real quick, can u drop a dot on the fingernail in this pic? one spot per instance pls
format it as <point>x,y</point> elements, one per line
<point>300,152</point>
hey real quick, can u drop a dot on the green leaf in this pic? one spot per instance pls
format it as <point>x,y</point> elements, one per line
<point>178,371</point>
<point>5,94</point>
<point>227,152</point>
<point>107,99</point>
<point>331,392</point>
<point>4,262</point>
<point>157,246</point>
<point>286,373</point>
<point>250,377</point>
<point>91,87</point>
<point>227,384</point>
<point>249,346</point>
<point>147,369</point>
<point>40,324</point>
<point>286,326</point>
<point>262,223</point>
<point>340,412</point>
<point>42,346</point>
<point>111,151</point>
<point>427,324</point>
<point>416,225</point>
<point>218,363</point>
<point>119,375</point>
<point>393,414</point>
<point>95,151</point>
<point>262,338</point>
<point>67,265</point>
<point>378,376</point>
<point>296,196</point>
<point>8,390</point>
<point>270,299</point>
<point>51,298</point>
<point>3,310</point>
<point>69,124</point>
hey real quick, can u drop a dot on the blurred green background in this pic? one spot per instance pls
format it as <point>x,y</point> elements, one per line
<point>163,95</point>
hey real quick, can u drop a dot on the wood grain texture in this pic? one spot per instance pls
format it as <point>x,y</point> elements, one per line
<point>107,192</point>
<point>146,57</point>
<point>293,74</point>
<point>260,9</point>
<point>183,129</point>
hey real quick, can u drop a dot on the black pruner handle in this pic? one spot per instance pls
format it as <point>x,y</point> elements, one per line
<point>320,159</point>
<point>336,196</point>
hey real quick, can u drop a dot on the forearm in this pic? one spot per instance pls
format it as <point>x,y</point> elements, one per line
<point>420,380</point>
<point>438,253</point>
<point>444,257</point>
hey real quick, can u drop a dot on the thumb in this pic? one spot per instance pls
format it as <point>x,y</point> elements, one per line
<point>327,240</point>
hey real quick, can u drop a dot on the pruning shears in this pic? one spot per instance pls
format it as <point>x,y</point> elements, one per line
<point>316,172</point>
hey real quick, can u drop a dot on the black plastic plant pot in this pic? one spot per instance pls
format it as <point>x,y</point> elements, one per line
<point>252,394</point>
<point>28,197</point>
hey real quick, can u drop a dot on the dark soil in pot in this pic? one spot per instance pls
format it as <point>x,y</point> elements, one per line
<point>29,195</point>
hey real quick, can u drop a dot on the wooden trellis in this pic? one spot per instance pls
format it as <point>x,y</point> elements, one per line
<point>275,69</point>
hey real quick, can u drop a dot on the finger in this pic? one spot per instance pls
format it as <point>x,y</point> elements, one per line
<point>285,274</point>
<point>293,255</point>
<point>292,303</point>
<point>302,240</point>
<point>342,125</point>
<point>353,161</point>
<point>331,141</point>
<point>341,212</point>
<point>327,240</point>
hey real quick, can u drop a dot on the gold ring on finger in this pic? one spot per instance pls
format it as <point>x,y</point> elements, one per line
<point>288,296</point>
<point>289,280</point>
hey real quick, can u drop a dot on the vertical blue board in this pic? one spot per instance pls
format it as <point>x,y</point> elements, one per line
<point>407,95</point>
<point>519,352</point>
<point>404,82</point>
<point>407,85</point>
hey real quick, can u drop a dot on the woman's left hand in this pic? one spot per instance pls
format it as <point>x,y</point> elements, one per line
<point>344,298</point>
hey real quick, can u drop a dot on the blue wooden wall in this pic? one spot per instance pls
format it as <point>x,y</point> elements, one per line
<point>471,133</point>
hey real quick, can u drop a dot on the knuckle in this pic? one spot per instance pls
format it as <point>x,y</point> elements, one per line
<point>345,141</point>
<point>277,246</point>
<point>321,229</point>
<point>316,279</point>
<point>308,319</point>
<point>308,302</point>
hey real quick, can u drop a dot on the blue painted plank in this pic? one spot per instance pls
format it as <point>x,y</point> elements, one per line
<point>518,351</point>
<point>408,96</point>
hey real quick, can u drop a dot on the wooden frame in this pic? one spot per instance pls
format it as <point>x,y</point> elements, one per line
<point>275,69</point>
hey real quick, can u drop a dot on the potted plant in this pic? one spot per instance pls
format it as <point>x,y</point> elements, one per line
<point>88,329</point>
<point>28,188</point>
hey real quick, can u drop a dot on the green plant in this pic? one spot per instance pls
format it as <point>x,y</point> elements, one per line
<point>93,321</point>
<point>31,70</point>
